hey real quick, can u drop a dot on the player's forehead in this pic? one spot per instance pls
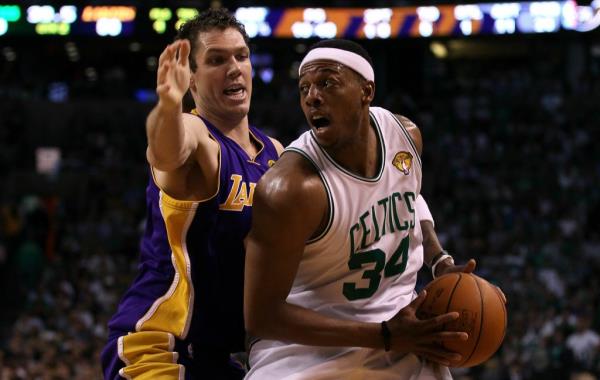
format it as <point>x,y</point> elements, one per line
<point>221,41</point>
<point>322,66</point>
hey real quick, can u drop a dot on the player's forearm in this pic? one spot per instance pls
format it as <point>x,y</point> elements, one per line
<point>167,148</point>
<point>431,244</point>
<point>296,324</point>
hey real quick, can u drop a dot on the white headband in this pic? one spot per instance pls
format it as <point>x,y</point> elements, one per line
<point>345,57</point>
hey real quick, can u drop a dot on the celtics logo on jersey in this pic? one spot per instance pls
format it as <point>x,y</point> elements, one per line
<point>403,162</point>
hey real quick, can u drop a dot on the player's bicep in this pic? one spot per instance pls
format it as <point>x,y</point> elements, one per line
<point>204,150</point>
<point>275,243</point>
<point>285,214</point>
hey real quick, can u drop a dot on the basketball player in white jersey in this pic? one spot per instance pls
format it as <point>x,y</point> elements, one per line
<point>333,254</point>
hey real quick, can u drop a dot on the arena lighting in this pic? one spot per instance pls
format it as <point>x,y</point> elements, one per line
<point>392,22</point>
<point>254,20</point>
<point>53,28</point>
<point>183,15</point>
<point>580,18</point>
<point>314,24</point>
<point>425,28</point>
<point>45,14</point>
<point>160,16</point>
<point>266,74</point>
<point>10,13</point>
<point>50,22</point>
<point>468,12</point>
<point>94,13</point>
<point>377,23</point>
<point>111,27</point>
<point>438,49</point>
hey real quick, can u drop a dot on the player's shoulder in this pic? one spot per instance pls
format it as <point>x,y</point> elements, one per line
<point>413,131</point>
<point>190,119</point>
<point>406,122</point>
<point>278,146</point>
<point>292,179</point>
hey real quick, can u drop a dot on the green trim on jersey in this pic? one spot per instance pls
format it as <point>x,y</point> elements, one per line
<point>365,179</point>
<point>327,190</point>
<point>410,139</point>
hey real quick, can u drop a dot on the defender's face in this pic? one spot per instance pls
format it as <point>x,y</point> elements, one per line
<point>223,79</point>
<point>331,98</point>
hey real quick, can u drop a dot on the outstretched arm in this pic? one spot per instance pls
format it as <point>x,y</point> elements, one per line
<point>171,141</point>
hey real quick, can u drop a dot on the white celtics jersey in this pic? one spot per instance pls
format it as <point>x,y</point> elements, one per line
<point>364,265</point>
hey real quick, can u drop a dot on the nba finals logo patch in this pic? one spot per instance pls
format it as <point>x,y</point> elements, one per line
<point>403,162</point>
<point>271,163</point>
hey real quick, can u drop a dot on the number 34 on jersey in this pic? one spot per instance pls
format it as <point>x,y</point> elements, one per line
<point>369,230</point>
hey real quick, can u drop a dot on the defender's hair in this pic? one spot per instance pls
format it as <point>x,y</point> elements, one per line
<point>210,19</point>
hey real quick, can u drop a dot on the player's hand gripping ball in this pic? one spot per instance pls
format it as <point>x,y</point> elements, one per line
<point>482,314</point>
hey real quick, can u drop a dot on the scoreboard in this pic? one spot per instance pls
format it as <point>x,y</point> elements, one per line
<point>363,23</point>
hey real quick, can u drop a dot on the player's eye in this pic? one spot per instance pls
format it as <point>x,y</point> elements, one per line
<point>215,60</point>
<point>328,83</point>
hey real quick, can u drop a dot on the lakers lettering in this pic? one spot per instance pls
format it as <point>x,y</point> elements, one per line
<point>240,195</point>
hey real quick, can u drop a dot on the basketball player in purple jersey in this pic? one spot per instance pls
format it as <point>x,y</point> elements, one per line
<point>182,316</point>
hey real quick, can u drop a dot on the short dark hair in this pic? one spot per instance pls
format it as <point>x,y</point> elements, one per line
<point>344,45</point>
<point>214,18</point>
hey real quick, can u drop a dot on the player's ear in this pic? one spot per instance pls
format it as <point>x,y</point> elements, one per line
<point>368,91</point>
<point>192,83</point>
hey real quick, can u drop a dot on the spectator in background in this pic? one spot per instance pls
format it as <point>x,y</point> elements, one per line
<point>585,345</point>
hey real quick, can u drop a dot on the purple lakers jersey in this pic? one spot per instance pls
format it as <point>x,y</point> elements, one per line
<point>191,276</point>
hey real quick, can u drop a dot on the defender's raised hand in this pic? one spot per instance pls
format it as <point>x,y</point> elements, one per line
<point>173,76</point>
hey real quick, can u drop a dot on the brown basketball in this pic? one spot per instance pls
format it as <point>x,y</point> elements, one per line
<point>482,314</point>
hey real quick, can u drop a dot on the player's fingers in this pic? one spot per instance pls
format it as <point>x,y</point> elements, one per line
<point>161,75</point>
<point>163,56</point>
<point>469,267</point>
<point>445,336</point>
<point>170,51</point>
<point>439,320</point>
<point>416,303</point>
<point>184,53</point>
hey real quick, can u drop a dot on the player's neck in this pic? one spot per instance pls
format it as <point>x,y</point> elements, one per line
<point>361,155</point>
<point>231,126</point>
<point>236,129</point>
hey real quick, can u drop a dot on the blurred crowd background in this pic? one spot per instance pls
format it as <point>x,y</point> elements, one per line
<point>511,174</point>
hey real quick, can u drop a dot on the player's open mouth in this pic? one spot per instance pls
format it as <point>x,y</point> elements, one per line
<point>319,121</point>
<point>236,92</point>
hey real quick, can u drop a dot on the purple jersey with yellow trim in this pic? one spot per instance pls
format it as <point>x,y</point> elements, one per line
<point>191,276</point>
